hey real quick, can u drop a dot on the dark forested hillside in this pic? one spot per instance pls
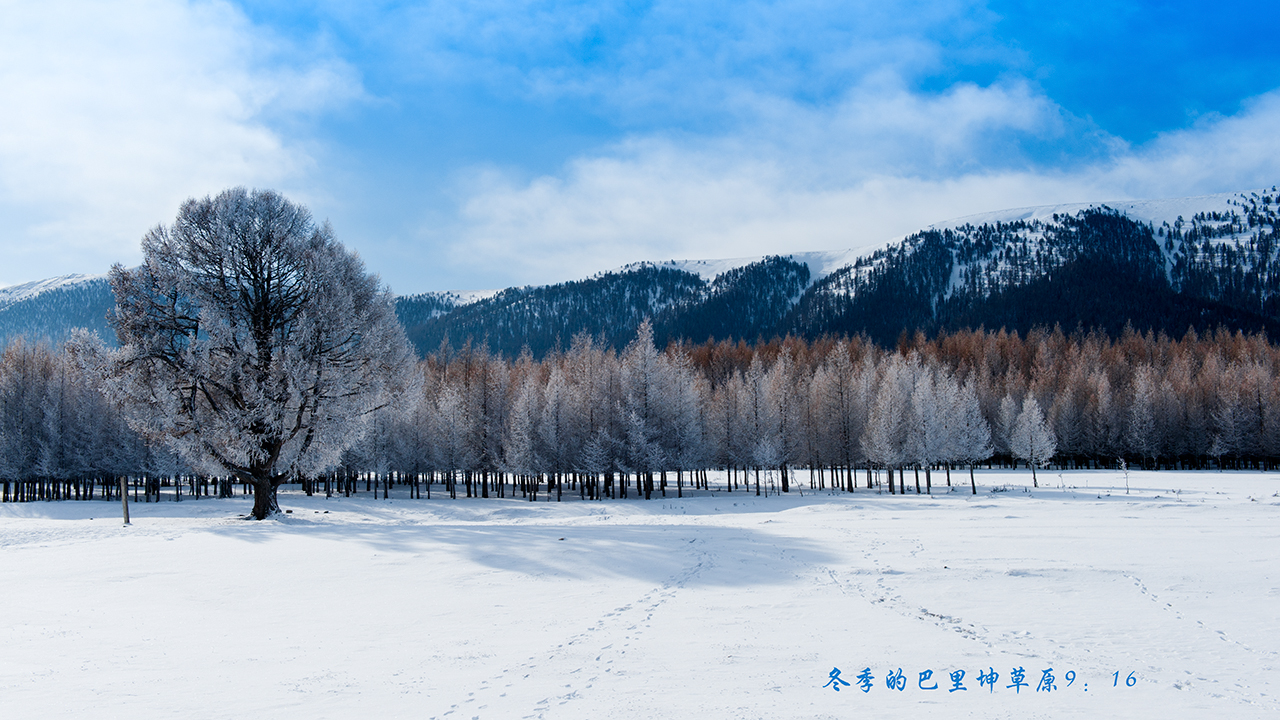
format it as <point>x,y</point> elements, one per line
<point>610,306</point>
<point>742,304</point>
<point>1094,269</point>
<point>52,314</point>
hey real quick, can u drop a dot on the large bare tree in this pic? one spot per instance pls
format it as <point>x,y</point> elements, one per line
<point>253,343</point>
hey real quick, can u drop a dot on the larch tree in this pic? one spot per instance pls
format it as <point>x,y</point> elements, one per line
<point>520,440</point>
<point>1006,418</point>
<point>933,402</point>
<point>1031,439</point>
<point>252,342</point>
<point>762,446</point>
<point>1143,430</point>
<point>1102,416</point>
<point>1229,423</point>
<point>782,388</point>
<point>971,442</point>
<point>884,438</point>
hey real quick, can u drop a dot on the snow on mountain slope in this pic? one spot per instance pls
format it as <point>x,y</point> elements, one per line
<point>1158,213</point>
<point>1155,212</point>
<point>25,291</point>
<point>452,298</point>
<point>822,263</point>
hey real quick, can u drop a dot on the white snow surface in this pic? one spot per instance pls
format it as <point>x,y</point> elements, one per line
<point>723,605</point>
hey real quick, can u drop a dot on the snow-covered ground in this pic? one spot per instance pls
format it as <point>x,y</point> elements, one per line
<point>718,606</point>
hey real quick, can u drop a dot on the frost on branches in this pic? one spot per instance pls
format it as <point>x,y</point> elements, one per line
<point>252,342</point>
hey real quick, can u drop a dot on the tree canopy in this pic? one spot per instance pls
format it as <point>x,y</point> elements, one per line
<point>252,342</point>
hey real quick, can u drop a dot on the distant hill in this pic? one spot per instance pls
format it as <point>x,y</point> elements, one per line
<point>49,309</point>
<point>1161,265</point>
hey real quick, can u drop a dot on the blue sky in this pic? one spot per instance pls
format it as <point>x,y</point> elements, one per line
<point>481,145</point>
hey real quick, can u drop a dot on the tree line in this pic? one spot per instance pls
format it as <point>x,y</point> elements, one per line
<point>842,414</point>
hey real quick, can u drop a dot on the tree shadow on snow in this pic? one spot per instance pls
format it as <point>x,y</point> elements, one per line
<point>678,554</point>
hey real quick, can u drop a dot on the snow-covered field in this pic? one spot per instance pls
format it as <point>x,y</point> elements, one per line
<point>720,606</point>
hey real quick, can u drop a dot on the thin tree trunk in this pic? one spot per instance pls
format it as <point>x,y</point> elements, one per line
<point>124,500</point>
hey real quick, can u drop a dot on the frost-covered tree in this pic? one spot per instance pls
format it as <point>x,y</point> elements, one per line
<point>971,438</point>
<point>1067,411</point>
<point>25,373</point>
<point>1230,423</point>
<point>646,397</point>
<point>521,450</point>
<point>454,424</point>
<point>933,410</point>
<point>885,438</point>
<point>1143,431</point>
<point>762,445</point>
<point>1006,418</point>
<point>782,386</point>
<point>252,342</point>
<point>687,395</point>
<point>1031,439</point>
<point>840,393</point>
<point>555,431</point>
<point>1102,417</point>
<point>725,425</point>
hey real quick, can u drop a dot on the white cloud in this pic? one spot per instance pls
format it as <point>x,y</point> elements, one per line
<point>1217,154</point>
<point>116,112</point>
<point>880,164</point>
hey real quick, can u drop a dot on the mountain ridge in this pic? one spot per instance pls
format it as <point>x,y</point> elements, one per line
<point>1216,253</point>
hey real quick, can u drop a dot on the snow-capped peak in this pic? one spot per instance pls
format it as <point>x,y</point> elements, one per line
<point>28,290</point>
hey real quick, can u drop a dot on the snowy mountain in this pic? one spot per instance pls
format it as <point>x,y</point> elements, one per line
<point>26,291</point>
<point>48,309</point>
<point>1162,265</point>
<point>1195,262</point>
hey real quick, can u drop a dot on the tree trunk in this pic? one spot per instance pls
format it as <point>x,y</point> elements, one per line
<point>124,500</point>
<point>264,498</point>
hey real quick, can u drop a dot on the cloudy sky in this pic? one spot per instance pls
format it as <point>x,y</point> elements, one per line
<point>472,145</point>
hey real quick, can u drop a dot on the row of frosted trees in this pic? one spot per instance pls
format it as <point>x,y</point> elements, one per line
<point>59,436</point>
<point>839,414</point>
